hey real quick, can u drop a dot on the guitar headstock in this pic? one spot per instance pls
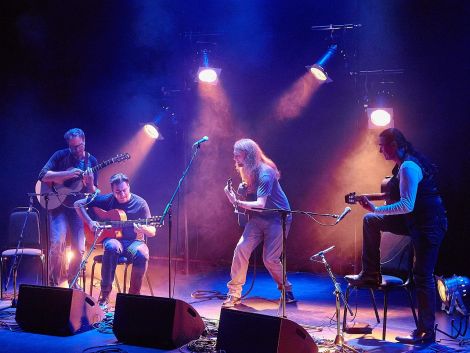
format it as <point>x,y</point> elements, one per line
<point>229,184</point>
<point>350,198</point>
<point>121,157</point>
<point>154,221</point>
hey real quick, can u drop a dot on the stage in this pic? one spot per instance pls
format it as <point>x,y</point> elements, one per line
<point>314,310</point>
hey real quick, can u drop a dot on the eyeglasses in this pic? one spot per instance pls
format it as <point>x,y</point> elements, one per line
<point>77,147</point>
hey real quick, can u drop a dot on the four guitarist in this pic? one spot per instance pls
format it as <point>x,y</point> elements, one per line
<point>262,179</point>
<point>131,241</point>
<point>418,211</point>
<point>66,165</point>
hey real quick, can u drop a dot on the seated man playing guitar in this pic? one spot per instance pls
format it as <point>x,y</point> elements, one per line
<point>128,241</point>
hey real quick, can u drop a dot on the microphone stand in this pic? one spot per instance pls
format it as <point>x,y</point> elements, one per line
<point>167,211</point>
<point>14,267</point>
<point>339,340</point>
<point>98,232</point>
<point>46,196</point>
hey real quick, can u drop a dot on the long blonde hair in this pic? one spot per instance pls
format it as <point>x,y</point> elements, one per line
<point>254,159</point>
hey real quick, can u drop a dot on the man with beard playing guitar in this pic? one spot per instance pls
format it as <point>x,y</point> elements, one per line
<point>130,242</point>
<point>67,165</point>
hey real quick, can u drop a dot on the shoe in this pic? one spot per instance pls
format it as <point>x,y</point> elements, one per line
<point>418,337</point>
<point>364,279</point>
<point>231,301</point>
<point>103,304</point>
<point>290,297</point>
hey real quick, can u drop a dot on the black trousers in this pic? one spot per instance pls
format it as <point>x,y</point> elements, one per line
<point>426,237</point>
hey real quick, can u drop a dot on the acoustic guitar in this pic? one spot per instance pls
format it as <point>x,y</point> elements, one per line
<point>58,193</point>
<point>387,188</point>
<point>113,222</point>
<point>243,216</point>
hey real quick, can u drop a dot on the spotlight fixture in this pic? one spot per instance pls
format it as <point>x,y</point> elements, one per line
<point>319,68</point>
<point>379,110</point>
<point>380,118</point>
<point>152,131</point>
<point>454,293</point>
<point>152,128</point>
<point>207,74</point>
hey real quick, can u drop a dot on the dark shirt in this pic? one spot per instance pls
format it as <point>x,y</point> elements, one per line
<point>268,185</point>
<point>136,208</point>
<point>64,159</point>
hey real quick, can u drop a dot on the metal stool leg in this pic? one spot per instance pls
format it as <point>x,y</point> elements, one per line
<point>384,329</point>
<point>150,284</point>
<point>92,277</point>
<point>375,304</point>
<point>125,276</point>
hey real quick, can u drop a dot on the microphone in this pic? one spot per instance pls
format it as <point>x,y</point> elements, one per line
<point>342,215</point>
<point>321,253</point>
<point>198,142</point>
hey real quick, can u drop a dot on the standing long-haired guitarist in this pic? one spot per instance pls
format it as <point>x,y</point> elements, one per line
<point>261,178</point>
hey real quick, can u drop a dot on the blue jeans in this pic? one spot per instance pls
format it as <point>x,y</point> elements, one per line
<point>132,249</point>
<point>65,221</point>
<point>257,230</point>
<point>426,237</point>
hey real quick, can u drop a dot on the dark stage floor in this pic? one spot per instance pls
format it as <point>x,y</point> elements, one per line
<point>314,310</point>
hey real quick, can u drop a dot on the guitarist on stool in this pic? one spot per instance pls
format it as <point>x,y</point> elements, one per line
<point>132,240</point>
<point>68,164</point>
<point>262,179</point>
<point>418,212</point>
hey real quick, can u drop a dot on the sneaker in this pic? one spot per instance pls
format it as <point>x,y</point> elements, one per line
<point>103,304</point>
<point>290,297</point>
<point>418,337</point>
<point>231,301</point>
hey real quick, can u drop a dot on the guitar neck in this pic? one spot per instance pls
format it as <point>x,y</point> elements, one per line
<point>375,197</point>
<point>102,165</point>
<point>123,224</point>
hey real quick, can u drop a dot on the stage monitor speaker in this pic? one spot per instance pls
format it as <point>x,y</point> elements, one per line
<point>242,332</point>
<point>155,322</point>
<point>56,311</point>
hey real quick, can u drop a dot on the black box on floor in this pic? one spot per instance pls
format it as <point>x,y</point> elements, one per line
<point>56,311</point>
<point>155,322</point>
<point>242,332</point>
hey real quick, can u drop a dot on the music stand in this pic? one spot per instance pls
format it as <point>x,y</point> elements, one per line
<point>283,214</point>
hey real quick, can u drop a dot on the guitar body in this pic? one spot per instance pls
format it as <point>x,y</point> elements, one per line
<point>389,192</point>
<point>58,193</point>
<point>243,216</point>
<point>103,216</point>
<point>113,222</point>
